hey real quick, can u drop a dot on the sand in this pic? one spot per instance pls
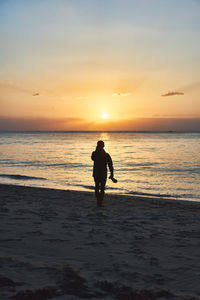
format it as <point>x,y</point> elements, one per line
<point>57,244</point>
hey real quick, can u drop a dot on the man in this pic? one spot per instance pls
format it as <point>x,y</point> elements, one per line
<point>101,159</point>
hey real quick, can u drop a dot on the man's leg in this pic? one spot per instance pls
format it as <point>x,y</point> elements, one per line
<point>97,193</point>
<point>102,188</point>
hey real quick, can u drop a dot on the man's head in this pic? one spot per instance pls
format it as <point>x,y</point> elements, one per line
<point>100,144</point>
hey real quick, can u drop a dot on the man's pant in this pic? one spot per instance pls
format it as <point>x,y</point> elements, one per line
<point>100,183</point>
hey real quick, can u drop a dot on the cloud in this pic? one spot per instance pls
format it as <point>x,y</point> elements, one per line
<point>187,88</point>
<point>41,124</point>
<point>172,94</point>
<point>151,124</point>
<point>182,116</point>
<point>78,124</point>
<point>122,94</point>
<point>7,85</point>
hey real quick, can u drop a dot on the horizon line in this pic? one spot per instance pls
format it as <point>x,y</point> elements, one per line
<point>97,131</point>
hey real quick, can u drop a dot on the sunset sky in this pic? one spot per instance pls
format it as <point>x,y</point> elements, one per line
<point>64,64</point>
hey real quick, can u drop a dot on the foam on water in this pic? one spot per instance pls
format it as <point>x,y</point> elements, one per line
<point>21,177</point>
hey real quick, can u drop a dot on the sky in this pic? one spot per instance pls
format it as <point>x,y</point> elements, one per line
<point>100,65</point>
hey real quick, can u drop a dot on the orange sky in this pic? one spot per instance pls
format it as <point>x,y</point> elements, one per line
<point>66,67</point>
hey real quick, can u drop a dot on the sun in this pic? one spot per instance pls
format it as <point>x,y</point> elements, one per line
<point>104,116</point>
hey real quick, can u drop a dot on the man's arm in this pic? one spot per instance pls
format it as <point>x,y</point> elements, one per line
<point>110,165</point>
<point>93,155</point>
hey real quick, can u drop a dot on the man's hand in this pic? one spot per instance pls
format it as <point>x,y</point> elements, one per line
<point>113,179</point>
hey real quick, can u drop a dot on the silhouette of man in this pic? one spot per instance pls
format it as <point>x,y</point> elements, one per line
<point>101,159</point>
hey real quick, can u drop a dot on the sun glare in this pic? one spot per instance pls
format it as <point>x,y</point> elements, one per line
<point>104,116</point>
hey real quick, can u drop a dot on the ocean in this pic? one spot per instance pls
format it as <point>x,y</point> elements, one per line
<point>159,164</point>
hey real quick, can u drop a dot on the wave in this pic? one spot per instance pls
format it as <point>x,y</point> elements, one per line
<point>188,170</point>
<point>91,187</point>
<point>42,164</point>
<point>149,195</point>
<point>161,170</point>
<point>130,164</point>
<point>123,191</point>
<point>153,195</point>
<point>21,177</point>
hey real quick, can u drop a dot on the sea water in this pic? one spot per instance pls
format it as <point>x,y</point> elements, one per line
<point>160,164</point>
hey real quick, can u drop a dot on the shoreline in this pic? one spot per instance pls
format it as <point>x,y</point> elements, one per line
<point>111,194</point>
<point>59,244</point>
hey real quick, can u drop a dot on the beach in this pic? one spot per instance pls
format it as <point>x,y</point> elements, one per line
<point>57,244</point>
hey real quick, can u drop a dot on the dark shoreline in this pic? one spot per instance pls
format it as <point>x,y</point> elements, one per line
<point>153,199</point>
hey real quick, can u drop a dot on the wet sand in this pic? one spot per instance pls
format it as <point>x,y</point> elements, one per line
<point>57,244</point>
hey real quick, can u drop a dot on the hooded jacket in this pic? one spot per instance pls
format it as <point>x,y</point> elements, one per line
<point>101,160</point>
